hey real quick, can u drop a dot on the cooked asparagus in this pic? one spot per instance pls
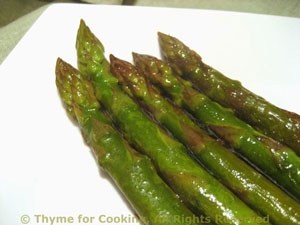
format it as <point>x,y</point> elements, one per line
<point>249,185</point>
<point>195,186</point>
<point>153,200</point>
<point>282,125</point>
<point>277,161</point>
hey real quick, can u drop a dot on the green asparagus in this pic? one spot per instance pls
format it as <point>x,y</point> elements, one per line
<point>277,161</point>
<point>253,188</point>
<point>275,122</point>
<point>196,187</point>
<point>153,200</point>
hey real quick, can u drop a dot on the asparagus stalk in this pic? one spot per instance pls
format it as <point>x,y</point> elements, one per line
<point>190,181</point>
<point>153,200</point>
<point>275,122</point>
<point>277,161</point>
<point>253,188</point>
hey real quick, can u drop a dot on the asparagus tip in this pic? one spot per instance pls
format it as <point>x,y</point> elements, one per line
<point>81,29</point>
<point>82,23</point>
<point>160,34</point>
<point>59,68</point>
<point>59,60</point>
<point>139,57</point>
<point>118,66</point>
<point>59,64</point>
<point>112,58</point>
<point>163,36</point>
<point>134,55</point>
<point>116,62</point>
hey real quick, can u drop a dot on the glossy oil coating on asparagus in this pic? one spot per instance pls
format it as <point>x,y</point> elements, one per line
<point>275,122</point>
<point>277,161</point>
<point>153,200</point>
<point>203,193</point>
<point>253,188</point>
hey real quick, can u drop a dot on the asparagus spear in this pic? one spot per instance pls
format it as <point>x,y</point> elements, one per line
<point>133,172</point>
<point>253,188</point>
<point>275,122</point>
<point>277,161</point>
<point>195,186</point>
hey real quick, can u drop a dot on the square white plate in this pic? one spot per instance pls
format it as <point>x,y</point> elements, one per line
<point>45,167</point>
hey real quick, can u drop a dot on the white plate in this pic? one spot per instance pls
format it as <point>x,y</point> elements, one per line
<point>45,167</point>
